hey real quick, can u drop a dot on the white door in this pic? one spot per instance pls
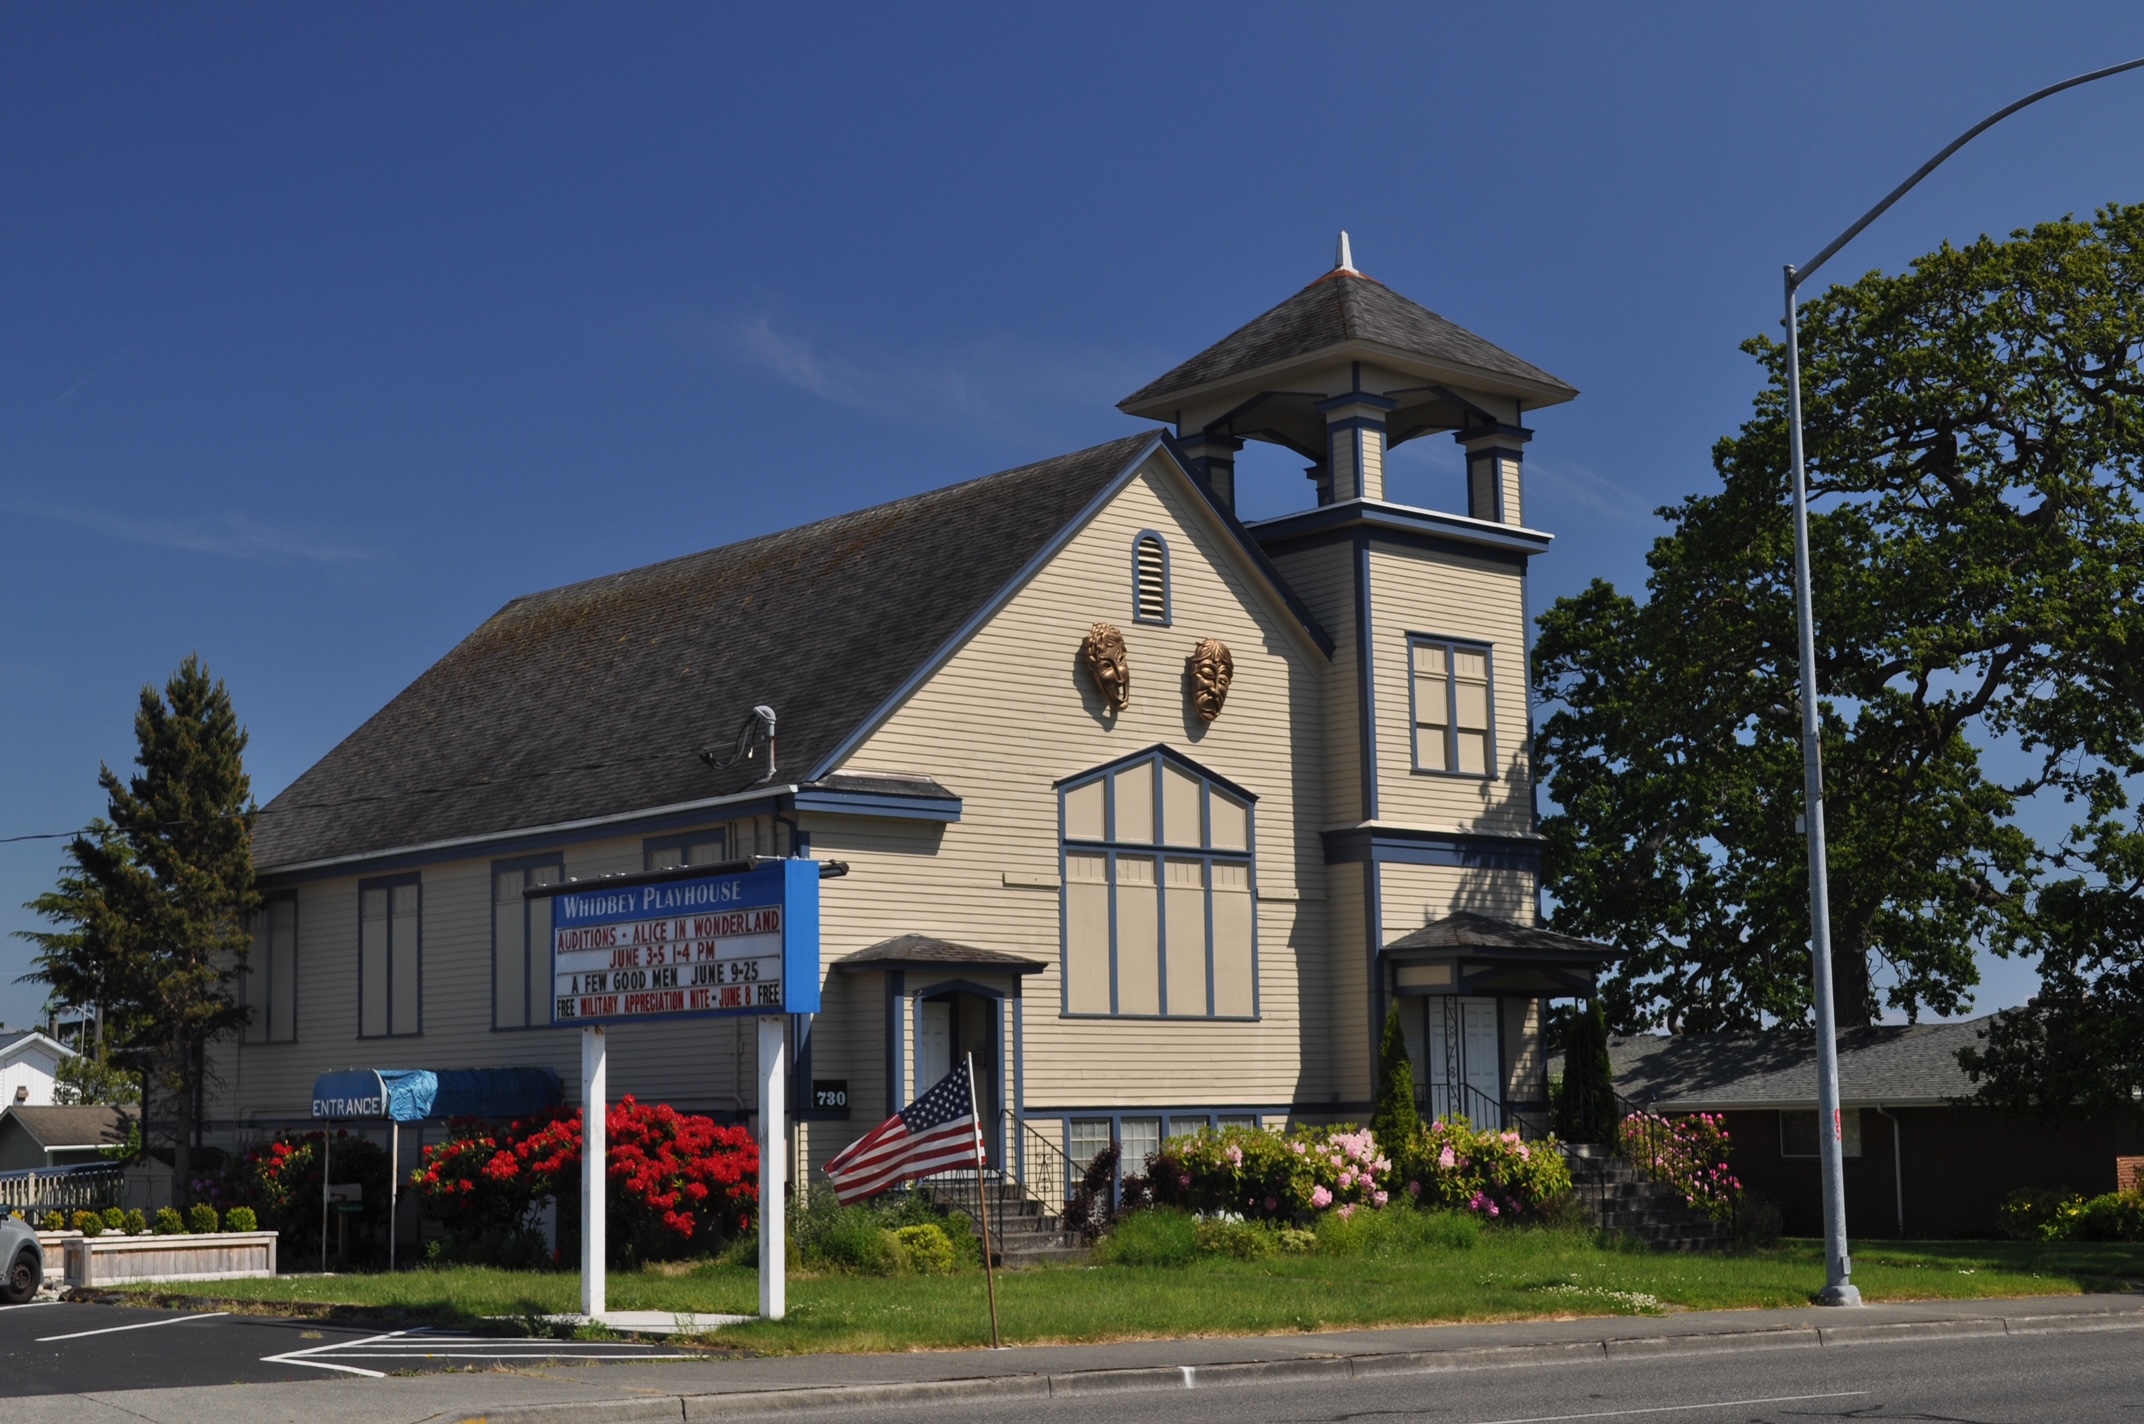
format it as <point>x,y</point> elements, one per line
<point>1483,1068</point>
<point>934,1050</point>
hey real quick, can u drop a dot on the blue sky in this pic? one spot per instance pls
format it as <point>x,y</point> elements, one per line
<point>325,331</point>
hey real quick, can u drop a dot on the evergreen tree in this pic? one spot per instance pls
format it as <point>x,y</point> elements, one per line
<point>1397,1123</point>
<point>1585,1103</point>
<point>151,908</point>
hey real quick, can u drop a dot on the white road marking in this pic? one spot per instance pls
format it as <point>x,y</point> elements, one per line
<point>143,1325</point>
<point>424,1344</point>
<point>1676,1408</point>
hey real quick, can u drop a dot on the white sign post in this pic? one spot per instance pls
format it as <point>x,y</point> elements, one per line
<point>595,1102</point>
<point>733,941</point>
<point>773,1168</point>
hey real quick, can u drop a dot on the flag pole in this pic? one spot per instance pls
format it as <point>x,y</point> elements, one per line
<point>982,1203</point>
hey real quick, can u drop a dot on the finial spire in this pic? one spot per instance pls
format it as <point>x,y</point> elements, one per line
<point>1346,260</point>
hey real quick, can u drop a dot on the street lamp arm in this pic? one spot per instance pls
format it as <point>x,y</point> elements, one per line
<point>1797,275</point>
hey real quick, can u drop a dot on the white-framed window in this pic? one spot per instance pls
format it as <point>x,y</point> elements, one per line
<point>1150,579</point>
<point>271,974</point>
<point>1158,919</point>
<point>708,847</point>
<point>520,945</point>
<point>1452,688</point>
<point>390,957</point>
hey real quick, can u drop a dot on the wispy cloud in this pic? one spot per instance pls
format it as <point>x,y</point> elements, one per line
<point>226,535</point>
<point>1575,484</point>
<point>997,384</point>
<point>93,375</point>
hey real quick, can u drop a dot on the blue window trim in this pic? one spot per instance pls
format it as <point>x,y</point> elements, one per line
<point>1160,852</point>
<point>538,966</point>
<point>389,883</point>
<point>1451,706</point>
<point>683,842</point>
<point>1167,580</point>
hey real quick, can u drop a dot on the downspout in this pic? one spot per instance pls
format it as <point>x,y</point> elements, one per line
<point>1898,1170</point>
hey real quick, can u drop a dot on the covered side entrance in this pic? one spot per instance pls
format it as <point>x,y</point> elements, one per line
<point>1470,991</point>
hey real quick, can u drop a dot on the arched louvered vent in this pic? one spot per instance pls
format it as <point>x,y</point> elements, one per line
<point>1150,580</point>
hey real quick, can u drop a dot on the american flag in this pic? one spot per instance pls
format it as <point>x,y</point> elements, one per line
<point>936,1133</point>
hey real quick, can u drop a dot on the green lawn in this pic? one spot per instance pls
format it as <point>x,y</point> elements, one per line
<point>1509,1275</point>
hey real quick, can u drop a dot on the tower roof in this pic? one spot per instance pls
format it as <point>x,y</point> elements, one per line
<point>1340,309</point>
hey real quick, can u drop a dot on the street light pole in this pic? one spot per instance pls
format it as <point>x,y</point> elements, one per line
<point>1839,1288</point>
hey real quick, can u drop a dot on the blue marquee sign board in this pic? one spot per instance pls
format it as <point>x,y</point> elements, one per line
<point>718,946</point>
<point>358,1093</point>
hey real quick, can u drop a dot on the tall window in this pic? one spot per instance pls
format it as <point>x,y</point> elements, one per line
<point>1453,729</point>
<point>271,985</point>
<point>390,960</point>
<point>1157,892</point>
<point>708,847</point>
<point>520,949</point>
<point>1150,579</point>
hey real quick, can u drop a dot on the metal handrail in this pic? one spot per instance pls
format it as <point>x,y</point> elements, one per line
<point>1449,1100</point>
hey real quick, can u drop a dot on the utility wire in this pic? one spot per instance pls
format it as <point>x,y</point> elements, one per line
<point>371,798</point>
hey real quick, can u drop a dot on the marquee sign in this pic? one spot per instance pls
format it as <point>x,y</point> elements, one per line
<point>739,944</point>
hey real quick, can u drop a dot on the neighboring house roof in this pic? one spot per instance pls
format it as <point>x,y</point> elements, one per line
<point>1339,307</point>
<point>17,1041</point>
<point>592,700</point>
<point>1903,1064</point>
<point>83,1125</point>
<point>914,951</point>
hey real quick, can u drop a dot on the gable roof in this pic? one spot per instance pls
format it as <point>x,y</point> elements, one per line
<point>1340,307</point>
<point>1886,1063</point>
<point>16,1041</point>
<point>914,951</point>
<point>82,1125</point>
<point>593,700</point>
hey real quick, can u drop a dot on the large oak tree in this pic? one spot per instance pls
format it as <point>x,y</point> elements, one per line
<point>1975,427</point>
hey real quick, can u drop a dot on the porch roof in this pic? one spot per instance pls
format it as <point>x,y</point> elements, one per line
<point>914,951</point>
<point>1489,955</point>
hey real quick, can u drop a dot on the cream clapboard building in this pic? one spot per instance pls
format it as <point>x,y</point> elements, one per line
<point>1136,918</point>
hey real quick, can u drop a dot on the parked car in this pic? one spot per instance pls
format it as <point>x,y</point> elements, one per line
<point>25,1260</point>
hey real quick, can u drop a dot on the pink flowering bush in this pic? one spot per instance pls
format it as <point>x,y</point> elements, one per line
<point>1690,1152</point>
<point>1495,1175</point>
<point>1314,1172</point>
<point>1271,1176</point>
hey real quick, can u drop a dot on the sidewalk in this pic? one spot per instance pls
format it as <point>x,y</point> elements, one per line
<point>723,1388</point>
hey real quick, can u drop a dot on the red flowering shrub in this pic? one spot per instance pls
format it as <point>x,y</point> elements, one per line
<point>679,1183</point>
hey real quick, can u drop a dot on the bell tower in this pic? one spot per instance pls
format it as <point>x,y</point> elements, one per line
<point>1428,797</point>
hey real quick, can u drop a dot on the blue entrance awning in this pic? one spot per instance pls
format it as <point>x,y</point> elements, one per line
<point>418,1094</point>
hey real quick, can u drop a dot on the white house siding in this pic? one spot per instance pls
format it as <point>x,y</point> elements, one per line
<point>1012,713</point>
<point>32,1069</point>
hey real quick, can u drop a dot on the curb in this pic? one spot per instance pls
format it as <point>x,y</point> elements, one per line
<point>682,1409</point>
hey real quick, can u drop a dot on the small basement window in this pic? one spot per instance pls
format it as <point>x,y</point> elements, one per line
<point>1150,579</point>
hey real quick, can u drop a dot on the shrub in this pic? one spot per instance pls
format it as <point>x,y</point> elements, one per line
<point>926,1250</point>
<point>1690,1152</point>
<point>2040,1214</point>
<point>169,1222</point>
<point>53,1221</point>
<point>115,1218</point>
<point>1267,1176</point>
<point>1234,1236</point>
<point>1584,1109</point>
<point>1758,1221</point>
<point>514,1248</point>
<point>2028,1213</point>
<point>1397,1123</point>
<point>1497,1175</point>
<point>89,1223</point>
<point>677,1182</point>
<point>1158,1236</point>
<point>279,1179</point>
<point>201,1219</point>
<point>1091,1206</point>
<point>241,1218</point>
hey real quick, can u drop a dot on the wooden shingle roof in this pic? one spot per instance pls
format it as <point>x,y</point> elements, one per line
<point>594,699</point>
<point>1341,307</point>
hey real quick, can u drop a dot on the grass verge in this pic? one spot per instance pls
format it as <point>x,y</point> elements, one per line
<point>1508,1275</point>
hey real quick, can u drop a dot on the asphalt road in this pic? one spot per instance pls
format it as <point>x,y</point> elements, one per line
<point>2079,1378</point>
<point>66,1349</point>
